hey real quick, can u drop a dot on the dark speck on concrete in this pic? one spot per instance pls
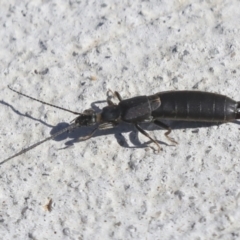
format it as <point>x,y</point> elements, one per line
<point>42,45</point>
<point>179,194</point>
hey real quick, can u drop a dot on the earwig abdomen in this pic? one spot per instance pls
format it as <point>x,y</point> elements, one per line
<point>196,106</point>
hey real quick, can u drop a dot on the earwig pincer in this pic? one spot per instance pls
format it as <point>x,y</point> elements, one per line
<point>195,106</point>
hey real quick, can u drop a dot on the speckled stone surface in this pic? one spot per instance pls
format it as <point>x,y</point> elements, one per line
<point>113,186</point>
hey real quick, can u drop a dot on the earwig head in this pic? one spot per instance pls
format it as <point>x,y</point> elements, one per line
<point>87,118</point>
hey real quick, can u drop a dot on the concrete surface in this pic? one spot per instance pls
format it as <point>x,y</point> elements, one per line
<point>114,186</point>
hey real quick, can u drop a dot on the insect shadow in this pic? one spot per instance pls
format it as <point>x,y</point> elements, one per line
<point>83,131</point>
<point>125,128</point>
<point>24,115</point>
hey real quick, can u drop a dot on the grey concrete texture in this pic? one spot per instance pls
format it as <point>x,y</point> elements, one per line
<point>114,185</point>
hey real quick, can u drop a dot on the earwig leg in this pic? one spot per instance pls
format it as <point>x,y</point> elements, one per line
<point>147,135</point>
<point>88,136</point>
<point>114,94</point>
<point>100,127</point>
<point>117,94</point>
<point>109,101</point>
<point>107,125</point>
<point>163,125</point>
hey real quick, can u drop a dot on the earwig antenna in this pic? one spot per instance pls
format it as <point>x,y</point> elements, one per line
<point>71,127</point>
<point>49,104</point>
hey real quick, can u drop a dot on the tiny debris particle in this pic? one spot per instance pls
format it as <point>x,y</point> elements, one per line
<point>118,224</point>
<point>74,54</point>
<point>42,45</point>
<point>48,206</point>
<point>93,78</point>
<point>44,72</point>
<point>100,24</point>
<point>174,49</point>
<point>195,131</point>
<point>179,194</point>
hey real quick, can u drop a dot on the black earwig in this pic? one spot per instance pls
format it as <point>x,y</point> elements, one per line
<point>173,105</point>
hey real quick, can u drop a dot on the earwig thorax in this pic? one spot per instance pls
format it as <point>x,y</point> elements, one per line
<point>110,113</point>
